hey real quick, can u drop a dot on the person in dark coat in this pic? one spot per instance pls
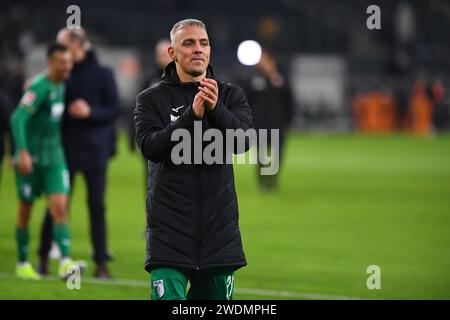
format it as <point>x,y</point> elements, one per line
<point>272,106</point>
<point>6,109</point>
<point>89,140</point>
<point>192,210</point>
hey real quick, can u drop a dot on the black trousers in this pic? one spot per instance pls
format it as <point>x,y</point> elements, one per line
<point>270,182</point>
<point>96,183</point>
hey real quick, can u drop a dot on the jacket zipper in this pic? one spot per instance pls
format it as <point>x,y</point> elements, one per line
<point>199,220</point>
<point>199,231</point>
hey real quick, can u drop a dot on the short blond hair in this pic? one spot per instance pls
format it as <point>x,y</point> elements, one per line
<point>180,25</point>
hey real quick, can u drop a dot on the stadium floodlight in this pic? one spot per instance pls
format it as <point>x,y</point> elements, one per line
<point>249,52</point>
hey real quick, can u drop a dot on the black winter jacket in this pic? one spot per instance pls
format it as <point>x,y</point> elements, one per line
<point>192,209</point>
<point>88,143</point>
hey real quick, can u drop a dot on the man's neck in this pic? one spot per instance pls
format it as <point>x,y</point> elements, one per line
<point>53,78</point>
<point>184,77</point>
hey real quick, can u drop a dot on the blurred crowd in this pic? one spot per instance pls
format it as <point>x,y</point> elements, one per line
<point>395,79</point>
<point>384,105</point>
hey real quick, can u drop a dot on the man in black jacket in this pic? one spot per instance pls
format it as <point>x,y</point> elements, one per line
<point>271,99</point>
<point>192,211</point>
<point>88,138</point>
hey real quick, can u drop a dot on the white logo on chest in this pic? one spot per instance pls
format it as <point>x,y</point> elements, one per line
<point>57,110</point>
<point>172,117</point>
<point>176,109</point>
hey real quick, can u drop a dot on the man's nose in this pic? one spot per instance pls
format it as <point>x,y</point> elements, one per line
<point>198,47</point>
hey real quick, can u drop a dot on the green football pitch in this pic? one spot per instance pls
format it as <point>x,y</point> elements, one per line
<point>345,202</point>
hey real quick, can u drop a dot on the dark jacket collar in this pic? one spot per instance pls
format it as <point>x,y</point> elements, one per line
<point>89,59</point>
<point>170,76</point>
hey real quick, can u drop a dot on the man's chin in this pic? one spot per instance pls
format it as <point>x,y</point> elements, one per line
<point>196,73</point>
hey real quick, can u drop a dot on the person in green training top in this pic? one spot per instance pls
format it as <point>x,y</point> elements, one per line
<point>40,164</point>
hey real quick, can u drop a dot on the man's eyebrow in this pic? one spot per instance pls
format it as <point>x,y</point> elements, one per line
<point>191,39</point>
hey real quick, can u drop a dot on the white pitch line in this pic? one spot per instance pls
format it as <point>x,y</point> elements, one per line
<point>258,292</point>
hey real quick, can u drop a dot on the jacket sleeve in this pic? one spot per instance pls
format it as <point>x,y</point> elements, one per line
<point>108,110</point>
<point>152,136</point>
<point>235,115</point>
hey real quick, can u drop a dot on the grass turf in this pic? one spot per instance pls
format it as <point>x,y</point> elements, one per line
<point>345,202</point>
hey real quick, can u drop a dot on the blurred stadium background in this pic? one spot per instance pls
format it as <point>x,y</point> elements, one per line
<point>365,179</point>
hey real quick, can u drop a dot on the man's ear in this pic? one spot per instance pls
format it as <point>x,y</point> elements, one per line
<point>171,52</point>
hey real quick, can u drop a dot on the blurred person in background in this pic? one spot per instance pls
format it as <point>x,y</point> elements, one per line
<point>6,109</point>
<point>427,95</point>
<point>401,93</point>
<point>162,59</point>
<point>271,100</point>
<point>192,211</point>
<point>40,161</point>
<point>89,140</point>
<point>440,114</point>
<point>14,38</point>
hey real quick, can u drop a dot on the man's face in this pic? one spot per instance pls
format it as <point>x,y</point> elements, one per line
<point>191,50</point>
<point>74,46</point>
<point>162,54</point>
<point>60,63</point>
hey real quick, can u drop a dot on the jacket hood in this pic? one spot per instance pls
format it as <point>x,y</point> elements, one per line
<point>170,76</point>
